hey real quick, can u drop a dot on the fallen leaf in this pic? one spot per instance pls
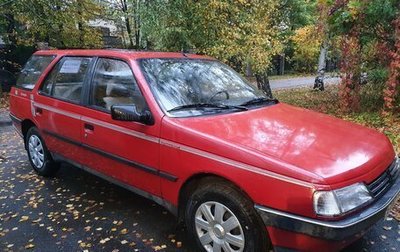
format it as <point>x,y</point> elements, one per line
<point>29,246</point>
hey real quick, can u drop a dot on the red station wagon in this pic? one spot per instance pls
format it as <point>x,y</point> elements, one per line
<point>242,170</point>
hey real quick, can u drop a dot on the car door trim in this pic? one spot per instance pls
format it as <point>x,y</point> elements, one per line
<point>234,163</point>
<point>121,129</point>
<point>125,161</point>
<point>99,123</point>
<point>56,110</point>
<point>182,147</point>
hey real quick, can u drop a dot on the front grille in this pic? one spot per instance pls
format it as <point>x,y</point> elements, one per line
<point>384,181</point>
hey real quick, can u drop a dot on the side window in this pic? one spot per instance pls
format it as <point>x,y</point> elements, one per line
<point>32,70</point>
<point>65,81</point>
<point>114,83</point>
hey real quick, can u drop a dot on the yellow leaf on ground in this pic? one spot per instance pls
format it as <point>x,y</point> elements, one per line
<point>29,246</point>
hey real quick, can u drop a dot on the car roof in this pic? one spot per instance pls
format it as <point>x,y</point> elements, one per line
<point>120,53</point>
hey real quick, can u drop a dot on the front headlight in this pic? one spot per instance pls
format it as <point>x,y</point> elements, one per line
<point>340,201</point>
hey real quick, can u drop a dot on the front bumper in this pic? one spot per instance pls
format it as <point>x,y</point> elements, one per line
<point>338,230</point>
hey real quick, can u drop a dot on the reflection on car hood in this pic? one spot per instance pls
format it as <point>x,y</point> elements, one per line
<point>312,142</point>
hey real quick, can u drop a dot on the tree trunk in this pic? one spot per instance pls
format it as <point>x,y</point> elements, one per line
<point>249,71</point>
<point>319,80</point>
<point>282,64</point>
<point>137,25</point>
<point>80,25</point>
<point>12,39</point>
<point>127,22</point>
<point>263,83</point>
<point>60,35</point>
<point>129,31</point>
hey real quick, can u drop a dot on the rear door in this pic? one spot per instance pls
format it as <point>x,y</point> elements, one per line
<point>58,105</point>
<point>126,151</point>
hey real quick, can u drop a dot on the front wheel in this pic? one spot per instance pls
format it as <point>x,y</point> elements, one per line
<point>220,218</point>
<point>39,156</point>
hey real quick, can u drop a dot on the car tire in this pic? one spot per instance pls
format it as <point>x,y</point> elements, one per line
<point>219,217</point>
<point>38,154</point>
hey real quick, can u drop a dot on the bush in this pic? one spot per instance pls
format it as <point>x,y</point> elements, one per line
<point>372,92</point>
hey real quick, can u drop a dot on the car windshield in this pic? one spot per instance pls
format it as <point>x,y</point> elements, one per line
<point>190,87</point>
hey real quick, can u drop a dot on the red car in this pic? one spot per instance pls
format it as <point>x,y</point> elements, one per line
<point>242,170</point>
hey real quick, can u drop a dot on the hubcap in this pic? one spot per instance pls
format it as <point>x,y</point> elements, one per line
<point>218,229</point>
<point>36,151</point>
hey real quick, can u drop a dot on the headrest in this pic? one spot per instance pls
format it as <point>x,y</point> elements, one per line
<point>117,90</point>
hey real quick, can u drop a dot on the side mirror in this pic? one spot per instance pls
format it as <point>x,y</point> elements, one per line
<point>130,113</point>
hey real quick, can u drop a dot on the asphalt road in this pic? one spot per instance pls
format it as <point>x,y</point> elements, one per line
<point>295,82</point>
<point>76,211</point>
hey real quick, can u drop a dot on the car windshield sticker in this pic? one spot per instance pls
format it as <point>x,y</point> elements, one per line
<point>71,66</point>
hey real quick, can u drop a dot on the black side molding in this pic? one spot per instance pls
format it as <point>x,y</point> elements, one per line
<point>15,119</point>
<point>169,206</point>
<point>128,162</point>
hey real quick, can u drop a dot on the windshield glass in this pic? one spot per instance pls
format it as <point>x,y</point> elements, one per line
<point>186,87</point>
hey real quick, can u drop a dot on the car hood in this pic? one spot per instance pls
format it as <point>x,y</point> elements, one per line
<point>297,139</point>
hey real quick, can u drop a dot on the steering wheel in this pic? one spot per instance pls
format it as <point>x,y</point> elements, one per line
<point>217,93</point>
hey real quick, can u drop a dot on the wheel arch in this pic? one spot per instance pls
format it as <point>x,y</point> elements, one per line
<point>25,126</point>
<point>194,181</point>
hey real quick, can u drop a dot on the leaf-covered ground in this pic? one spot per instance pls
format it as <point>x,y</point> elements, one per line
<point>4,101</point>
<point>75,211</point>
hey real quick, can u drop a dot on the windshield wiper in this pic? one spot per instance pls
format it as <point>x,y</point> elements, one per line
<point>259,100</point>
<point>207,105</point>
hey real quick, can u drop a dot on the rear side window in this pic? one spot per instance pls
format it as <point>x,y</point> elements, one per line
<point>33,69</point>
<point>66,79</point>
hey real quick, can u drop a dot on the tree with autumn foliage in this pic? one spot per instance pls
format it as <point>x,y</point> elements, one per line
<point>28,25</point>
<point>61,24</point>
<point>307,44</point>
<point>367,31</point>
<point>393,83</point>
<point>243,33</point>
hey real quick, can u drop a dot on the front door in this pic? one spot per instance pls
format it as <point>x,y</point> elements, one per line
<point>126,151</point>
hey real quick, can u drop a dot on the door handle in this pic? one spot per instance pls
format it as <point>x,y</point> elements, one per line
<point>38,111</point>
<point>89,127</point>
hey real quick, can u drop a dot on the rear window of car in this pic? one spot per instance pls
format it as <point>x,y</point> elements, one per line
<point>33,69</point>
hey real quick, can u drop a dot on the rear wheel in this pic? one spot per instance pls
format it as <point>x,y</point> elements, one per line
<point>220,218</point>
<point>39,156</point>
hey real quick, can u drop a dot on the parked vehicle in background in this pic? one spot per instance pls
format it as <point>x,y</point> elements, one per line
<point>242,170</point>
<point>7,80</point>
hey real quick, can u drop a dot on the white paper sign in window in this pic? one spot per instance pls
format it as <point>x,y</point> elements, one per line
<point>71,66</point>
